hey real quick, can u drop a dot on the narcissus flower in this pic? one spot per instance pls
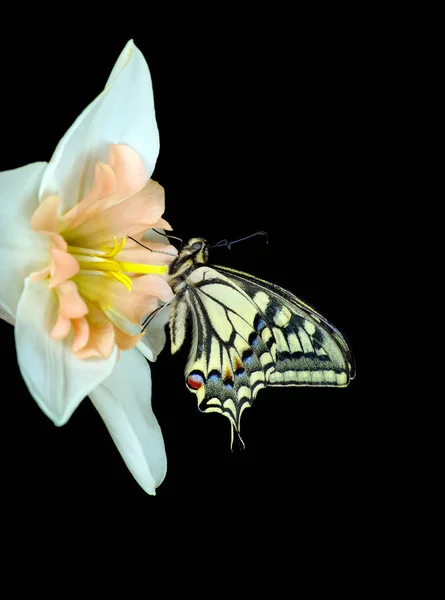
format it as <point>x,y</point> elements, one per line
<point>73,277</point>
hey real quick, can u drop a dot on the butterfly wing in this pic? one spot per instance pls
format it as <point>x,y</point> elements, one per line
<point>307,349</point>
<point>248,334</point>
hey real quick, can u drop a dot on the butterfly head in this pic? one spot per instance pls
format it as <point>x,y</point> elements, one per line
<point>197,250</point>
<point>194,254</point>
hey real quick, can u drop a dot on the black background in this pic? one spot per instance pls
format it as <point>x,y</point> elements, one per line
<point>262,127</point>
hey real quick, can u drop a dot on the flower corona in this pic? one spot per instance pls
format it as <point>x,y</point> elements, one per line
<point>94,265</point>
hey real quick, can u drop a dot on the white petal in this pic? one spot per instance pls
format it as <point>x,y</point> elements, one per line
<point>4,314</point>
<point>22,250</point>
<point>124,403</point>
<point>57,380</point>
<point>154,339</point>
<point>122,114</point>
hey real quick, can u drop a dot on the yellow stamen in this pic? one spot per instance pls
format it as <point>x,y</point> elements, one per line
<point>141,268</point>
<point>96,262</point>
<point>100,262</point>
<point>111,252</point>
<point>122,279</point>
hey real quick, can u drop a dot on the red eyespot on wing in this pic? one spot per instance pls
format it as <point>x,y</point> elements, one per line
<point>195,381</point>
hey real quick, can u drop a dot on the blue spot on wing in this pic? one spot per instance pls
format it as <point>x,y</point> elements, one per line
<point>196,378</point>
<point>254,340</point>
<point>247,356</point>
<point>214,375</point>
<point>259,324</point>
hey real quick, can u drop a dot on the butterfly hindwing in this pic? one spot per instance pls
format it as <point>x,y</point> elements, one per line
<point>227,360</point>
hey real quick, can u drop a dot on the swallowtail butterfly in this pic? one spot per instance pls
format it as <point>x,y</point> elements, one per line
<point>247,334</point>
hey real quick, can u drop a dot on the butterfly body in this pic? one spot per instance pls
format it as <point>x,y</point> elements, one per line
<point>248,334</point>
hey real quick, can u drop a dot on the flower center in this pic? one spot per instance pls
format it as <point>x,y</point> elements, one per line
<point>104,262</point>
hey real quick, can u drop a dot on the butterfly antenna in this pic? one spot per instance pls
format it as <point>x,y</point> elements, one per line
<point>229,244</point>
<point>168,236</point>
<point>147,248</point>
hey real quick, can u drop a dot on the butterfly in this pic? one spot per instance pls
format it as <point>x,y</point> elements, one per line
<point>247,334</point>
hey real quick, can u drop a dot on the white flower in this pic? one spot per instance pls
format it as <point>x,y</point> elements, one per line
<point>71,280</point>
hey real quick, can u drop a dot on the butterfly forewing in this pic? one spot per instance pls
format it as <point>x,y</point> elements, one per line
<point>309,349</point>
